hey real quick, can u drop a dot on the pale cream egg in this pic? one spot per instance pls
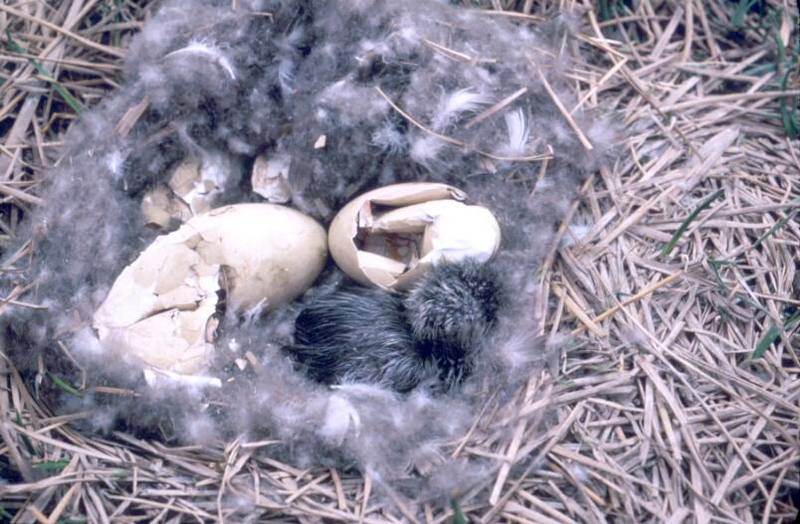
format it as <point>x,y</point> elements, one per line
<point>164,307</point>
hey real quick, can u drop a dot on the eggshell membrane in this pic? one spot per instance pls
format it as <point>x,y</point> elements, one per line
<point>461,232</point>
<point>161,309</point>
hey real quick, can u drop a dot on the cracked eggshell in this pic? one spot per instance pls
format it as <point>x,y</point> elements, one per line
<point>269,253</point>
<point>163,307</point>
<point>390,236</point>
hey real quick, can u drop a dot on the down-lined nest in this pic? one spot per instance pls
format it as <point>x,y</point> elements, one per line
<point>672,270</point>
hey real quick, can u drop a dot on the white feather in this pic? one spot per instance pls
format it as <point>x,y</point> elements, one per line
<point>425,149</point>
<point>295,37</point>
<point>389,139</point>
<point>575,235</point>
<point>286,77</point>
<point>156,378</point>
<point>518,132</point>
<point>340,415</point>
<point>455,104</point>
<point>253,313</point>
<point>365,391</point>
<point>115,161</point>
<point>209,51</point>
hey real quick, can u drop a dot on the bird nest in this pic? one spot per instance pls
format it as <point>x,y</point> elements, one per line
<point>662,306</point>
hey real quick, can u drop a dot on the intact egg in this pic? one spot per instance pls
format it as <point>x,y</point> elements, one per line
<point>392,235</point>
<point>164,307</point>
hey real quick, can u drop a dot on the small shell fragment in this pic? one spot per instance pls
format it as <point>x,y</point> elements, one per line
<point>270,178</point>
<point>190,190</point>
<point>390,236</point>
<point>162,208</point>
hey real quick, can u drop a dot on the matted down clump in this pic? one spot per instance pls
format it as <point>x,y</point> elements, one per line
<point>346,96</point>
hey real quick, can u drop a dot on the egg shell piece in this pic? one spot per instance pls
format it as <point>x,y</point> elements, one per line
<point>414,218</point>
<point>161,207</point>
<point>174,340</point>
<point>270,178</point>
<point>167,274</point>
<point>459,233</point>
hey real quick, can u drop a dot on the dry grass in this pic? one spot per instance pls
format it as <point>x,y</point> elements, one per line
<point>687,267</point>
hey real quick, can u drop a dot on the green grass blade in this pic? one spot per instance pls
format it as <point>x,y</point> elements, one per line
<point>458,515</point>
<point>772,335</point>
<point>789,116</point>
<point>685,224</point>
<point>766,341</point>
<point>774,229</point>
<point>51,466</point>
<point>76,106</point>
<point>25,440</point>
<point>760,70</point>
<point>64,386</point>
<point>740,13</point>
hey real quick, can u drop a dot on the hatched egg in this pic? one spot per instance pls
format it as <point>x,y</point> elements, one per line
<point>164,307</point>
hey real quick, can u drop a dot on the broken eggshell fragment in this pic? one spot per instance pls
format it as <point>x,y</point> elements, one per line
<point>270,178</point>
<point>390,236</point>
<point>163,308</point>
<point>191,189</point>
<point>162,208</point>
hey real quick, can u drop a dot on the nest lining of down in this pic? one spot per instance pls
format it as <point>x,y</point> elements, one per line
<point>400,94</point>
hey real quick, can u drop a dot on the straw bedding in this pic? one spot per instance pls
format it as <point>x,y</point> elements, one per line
<point>668,297</point>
